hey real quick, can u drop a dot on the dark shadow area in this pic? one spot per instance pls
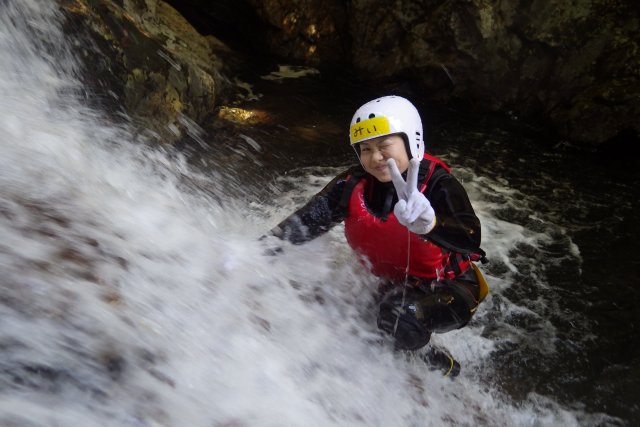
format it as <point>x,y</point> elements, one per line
<point>233,22</point>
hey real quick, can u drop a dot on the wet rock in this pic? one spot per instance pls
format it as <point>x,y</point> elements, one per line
<point>243,116</point>
<point>548,60</point>
<point>144,56</point>
<point>571,65</point>
<point>311,31</point>
<point>235,22</point>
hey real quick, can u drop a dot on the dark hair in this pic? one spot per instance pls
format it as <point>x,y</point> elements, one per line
<point>407,148</point>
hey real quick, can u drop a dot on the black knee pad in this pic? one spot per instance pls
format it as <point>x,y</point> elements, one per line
<point>413,313</point>
<point>445,306</point>
<point>397,316</point>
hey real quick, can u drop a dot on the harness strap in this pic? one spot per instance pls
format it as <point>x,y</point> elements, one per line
<point>352,181</point>
<point>453,265</point>
<point>453,268</point>
<point>432,168</point>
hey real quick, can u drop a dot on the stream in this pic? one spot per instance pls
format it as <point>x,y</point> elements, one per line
<point>135,292</point>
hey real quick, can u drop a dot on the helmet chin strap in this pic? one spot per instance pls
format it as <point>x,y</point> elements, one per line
<point>357,154</point>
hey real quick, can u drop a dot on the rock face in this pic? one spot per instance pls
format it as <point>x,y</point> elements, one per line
<point>148,57</point>
<point>574,65</point>
<point>314,32</point>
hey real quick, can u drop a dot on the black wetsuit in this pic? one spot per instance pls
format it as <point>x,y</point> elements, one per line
<point>457,228</point>
<point>449,304</point>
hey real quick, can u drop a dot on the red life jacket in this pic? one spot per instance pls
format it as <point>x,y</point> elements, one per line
<point>383,243</point>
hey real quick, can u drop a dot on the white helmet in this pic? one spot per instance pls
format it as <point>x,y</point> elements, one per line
<point>386,116</point>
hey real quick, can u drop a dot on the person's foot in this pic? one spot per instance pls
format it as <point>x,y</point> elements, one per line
<point>439,359</point>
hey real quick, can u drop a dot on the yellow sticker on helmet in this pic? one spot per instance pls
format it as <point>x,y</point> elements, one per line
<point>369,128</point>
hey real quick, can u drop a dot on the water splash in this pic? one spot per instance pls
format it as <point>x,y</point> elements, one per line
<point>131,298</point>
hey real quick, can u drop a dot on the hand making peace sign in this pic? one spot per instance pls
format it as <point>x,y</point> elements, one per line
<point>413,209</point>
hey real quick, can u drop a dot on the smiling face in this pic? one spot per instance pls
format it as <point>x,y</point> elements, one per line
<point>375,152</point>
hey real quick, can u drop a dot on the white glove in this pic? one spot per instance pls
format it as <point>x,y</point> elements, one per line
<point>413,209</point>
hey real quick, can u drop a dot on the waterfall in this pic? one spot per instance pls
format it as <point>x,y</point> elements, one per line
<point>130,298</point>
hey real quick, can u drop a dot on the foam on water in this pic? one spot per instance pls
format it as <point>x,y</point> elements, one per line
<point>128,299</point>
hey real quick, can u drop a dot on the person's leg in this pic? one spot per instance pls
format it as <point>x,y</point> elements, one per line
<point>397,317</point>
<point>448,304</point>
<point>410,314</point>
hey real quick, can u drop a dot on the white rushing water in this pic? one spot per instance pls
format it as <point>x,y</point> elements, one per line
<point>128,300</point>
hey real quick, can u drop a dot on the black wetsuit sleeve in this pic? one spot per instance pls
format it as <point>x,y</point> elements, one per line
<point>317,216</point>
<point>457,226</point>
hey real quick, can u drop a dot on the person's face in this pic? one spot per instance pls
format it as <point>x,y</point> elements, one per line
<point>375,152</point>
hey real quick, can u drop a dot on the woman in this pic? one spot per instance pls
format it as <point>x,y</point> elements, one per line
<point>408,218</point>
